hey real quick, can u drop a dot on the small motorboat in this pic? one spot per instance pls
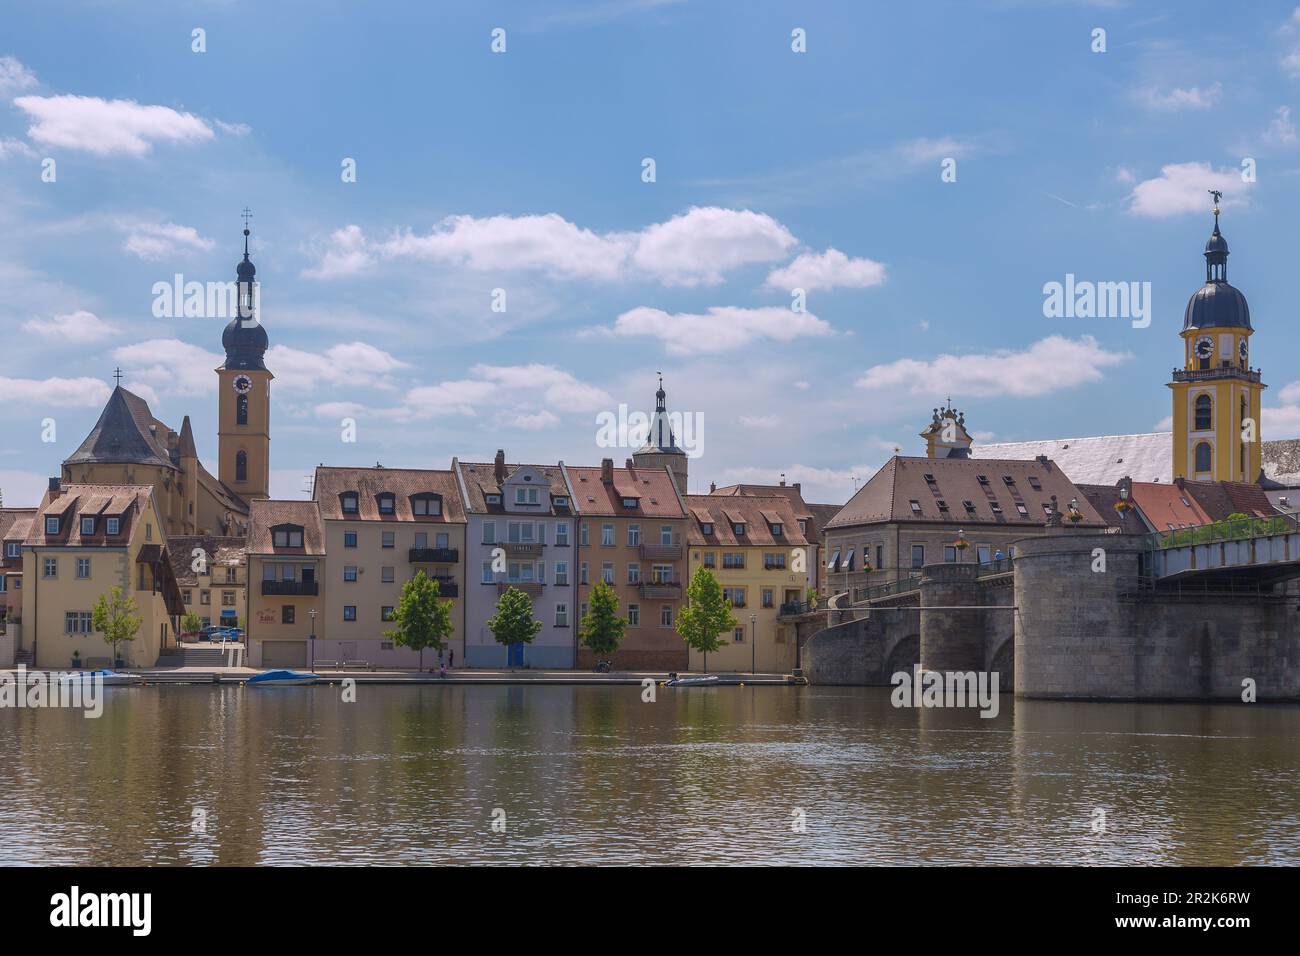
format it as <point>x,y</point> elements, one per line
<point>109,678</point>
<point>705,681</point>
<point>281,679</point>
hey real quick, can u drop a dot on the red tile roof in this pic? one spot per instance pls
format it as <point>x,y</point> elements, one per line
<point>402,483</point>
<point>653,487</point>
<point>74,501</point>
<point>752,511</point>
<point>1166,506</point>
<point>266,513</point>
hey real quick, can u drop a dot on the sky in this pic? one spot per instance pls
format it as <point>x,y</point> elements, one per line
<point>506,267</point>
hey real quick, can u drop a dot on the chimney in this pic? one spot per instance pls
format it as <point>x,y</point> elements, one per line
<point>500,465</point>
<point>1180,481</point>
<point>629,464</point>
<point>798,488</point>
<point>56,488</point>
<point>713,486</point>
<point>783,479</point>
<point>607,470</point>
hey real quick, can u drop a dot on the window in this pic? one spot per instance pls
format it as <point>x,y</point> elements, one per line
<point>78,622</point>
<point>982,479</point>
<point>607,572</point>
<point>560,501</point>
<point>969,506</point>
<point>666,535</point>
<point>426,505</point>
<point>349,612</point>
<point>488,577</point>
<point>349,572</point>
<point>950,554</point>
<point>734,560</point>
<point>241,466</point>
<point>51,524</point>
<point>1022,510</point>
<point>349,539</point>
<point>777,530</point>
<point>114,525</point>
<point>738,635</point>
<point>666,615</point>
<point>387,504</point>
<point>386,613</point>
<point>287,536</point>
<point>241,410</point>
<point>918,555</point>
<point>387,539</point>
<point>562,573</point>
<point>14,549</point>
<point>50,568</point>
<point>83,567</point>
<point>489,532</point>
<point>880,556</point>
<point>997,508</point>
<point>583,536</point>
<point>492,499</point>
<point>387,574</point>
<point>915,505</point>
<point>521,532</point>
<point>772,562</point>
<point>706,527</point>
<point>527,496</point>
<point>631,502</point>
<point>286,613</point>
<point>227,598</point>
<point>943,505</point>
<point>148,531</point>
<point>634,615</point>
<point>205,597</point>
<point>582,573</point>
<point>982,554</point>
<point>1204,413</point>
<point>87,525</point>
<point>662,574</point>
<point>561,535</point>
<point>833,562</point>
<point>1203,456</point>
<point>232,576</point>
<point>561,615</point>
<point>633,535</point>
<point>710,559</point>
<point>187,596</point>
<point>607,536</point>
<point>1035,483</point>
<point>738,529</point>
<point>348,502</point>
<point>768,598</point>
<point>735,595</point>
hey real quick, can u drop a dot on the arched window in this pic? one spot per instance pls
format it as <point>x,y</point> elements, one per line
<point>241,466</point>
<point>1203,456</point>
<point>1204,413</point>
<point>241,410</point>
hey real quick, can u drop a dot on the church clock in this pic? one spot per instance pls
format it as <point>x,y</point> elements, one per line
<point>1204,347</point>
<point>243,384</point>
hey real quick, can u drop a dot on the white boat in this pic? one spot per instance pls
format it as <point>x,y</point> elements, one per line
<point>108,677</point>
<point>281,679</point>
<point>692,681</point>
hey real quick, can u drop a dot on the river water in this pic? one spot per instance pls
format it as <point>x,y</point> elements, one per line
<point>580,774</point>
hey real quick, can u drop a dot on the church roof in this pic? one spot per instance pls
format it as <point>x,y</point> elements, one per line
<point>1100,460</point>
<point>126,433</point>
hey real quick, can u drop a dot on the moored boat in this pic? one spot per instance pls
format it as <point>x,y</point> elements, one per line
<point>704,681</point>
<point>281,679</point>
<point>109,678</point>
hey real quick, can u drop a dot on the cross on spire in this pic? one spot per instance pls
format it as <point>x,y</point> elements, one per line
<point>246,215</point>
<point>117,375</point>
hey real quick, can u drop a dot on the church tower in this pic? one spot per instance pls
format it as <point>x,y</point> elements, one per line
<point>946,435</point>
<point>660,449</point>
<point>244,395</point>
<point>1216,393</point>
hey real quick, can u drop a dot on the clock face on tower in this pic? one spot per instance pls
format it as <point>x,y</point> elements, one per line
<point>243,384</point>
<point>1241,350</point>
<point>1204,347</point>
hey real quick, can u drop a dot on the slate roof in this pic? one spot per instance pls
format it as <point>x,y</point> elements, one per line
<point>653,487</point>
<point>402,483</point>
<point>756,512</point>
<point>887,497</point>
<point>126,432</point>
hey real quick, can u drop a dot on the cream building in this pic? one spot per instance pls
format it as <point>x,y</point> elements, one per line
<point>212,573</point>
<point>286,565</point>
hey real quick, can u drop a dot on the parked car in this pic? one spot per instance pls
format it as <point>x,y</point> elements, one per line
<point>214,632</point>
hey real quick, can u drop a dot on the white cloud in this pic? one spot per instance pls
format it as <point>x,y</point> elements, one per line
<point>170,366</point>
<point>694,248</point>
<point>1283,421</point>
<point>108,127</point>
<point>515,391</point>
<point>14,76</point>
<point>1181,188</point>
<point>55,392</point>
<point>355,364</point>
<point>720,329</point>
<point>1049,365</point>
<point>1165,424</point>
<point>527,420</point>
<point>15,147</point>
<point>1180,98</point>
<point>79,326</point>
<point>1291,59</point>
<point>760,421</point>
<point>827,270</point>
<point>1282,129</point>
<point>159,240</point>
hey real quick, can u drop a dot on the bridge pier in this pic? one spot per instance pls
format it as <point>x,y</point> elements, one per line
<point>951,640</point>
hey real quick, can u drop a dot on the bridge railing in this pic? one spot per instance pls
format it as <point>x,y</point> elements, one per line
<point>1231,529</point>
<point>1000,566</point>
<point>909,583</point>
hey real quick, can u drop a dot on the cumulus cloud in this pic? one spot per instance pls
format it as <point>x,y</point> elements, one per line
<point>1049,365</point>
<point>515,391</point>
<point>1291,58</point>
<point>54,392</point>
<point>1283,421</point>
<point>14,76</point>
<point>1180,98</point>
<point>159,240</point>
<point>355,364</point>
<point>79,326</point>
<point>108,127</point>
<point>1181,188</point>
<point>827,270</point>
<point>694,248</point>
<point>1282,129</point>
<point>720,329</point>
<point>15,147</point>
<point>170,366</point>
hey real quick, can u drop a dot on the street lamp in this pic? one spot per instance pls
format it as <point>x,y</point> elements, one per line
<point>753,643</point>
<point>312,614</point>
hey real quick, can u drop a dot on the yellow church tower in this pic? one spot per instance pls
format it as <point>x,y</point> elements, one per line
<point>244,395</point>
<point>1216,393</point>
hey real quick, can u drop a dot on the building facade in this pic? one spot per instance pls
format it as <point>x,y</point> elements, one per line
<point>383,526</point>
<point>212,573</point>
<point>15,523</point>
<point>632,534</point>
<point>812,517</point>
<point>286,568</point>
<point>520,532</point>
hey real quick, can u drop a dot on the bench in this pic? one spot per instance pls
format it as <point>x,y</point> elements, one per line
<point>321,663</point>
<point>359,665</point>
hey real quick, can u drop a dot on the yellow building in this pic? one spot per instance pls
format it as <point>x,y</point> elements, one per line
<point>755,549</point>
<point>212,573</point>
<point>84,540</point>
<point>286,565</point>
<point>1216,395</point>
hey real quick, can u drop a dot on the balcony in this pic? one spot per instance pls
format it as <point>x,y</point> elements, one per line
<point>661,552</point>
<point>290,587</point>
<point>1222,372</point>
<point>519,549</point>
<point>671,590</point>
<point>531,588</point>
<point>447,587</point>
<point>433,556</point>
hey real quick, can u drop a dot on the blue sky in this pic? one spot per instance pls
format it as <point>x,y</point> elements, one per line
<point>522,171</point>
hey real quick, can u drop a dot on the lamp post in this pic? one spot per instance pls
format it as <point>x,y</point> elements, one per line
<point>753,643</point>
<point>312,642</point>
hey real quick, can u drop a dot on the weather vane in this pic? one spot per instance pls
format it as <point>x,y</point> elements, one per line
<point>1217,196</point>
<point>247,214</point>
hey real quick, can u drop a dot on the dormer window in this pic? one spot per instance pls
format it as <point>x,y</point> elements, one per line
<point>427,505</point>
<point>706,527</point>
<point>114,525</point>
<point>631,502</point>
<point>527,496</point>
<point>387,503</point>
<point>560,501</point>
<point>287,536</point>
<point>348,502</point>
<point>492,499</point>
<point>1008,480</point>
<point>915,506</point>
<point>87,525</point>
<point>51,524</point>
<point>13,549</point>
<point>777,531</point>
<point>982,479</point>
<point>803,525</point>
<point>738,528</point>
<point>969,506</point>
<point>1038,485</point>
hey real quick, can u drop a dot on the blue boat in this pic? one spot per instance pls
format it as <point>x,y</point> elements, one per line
<point>281,679</point>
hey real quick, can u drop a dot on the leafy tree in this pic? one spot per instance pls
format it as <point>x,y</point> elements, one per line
<point>513,622</point>
<point>191,623</point>
<point>707,614</point>
<point>602,626</point>
<point>423,619</point>
<point>116,617</point>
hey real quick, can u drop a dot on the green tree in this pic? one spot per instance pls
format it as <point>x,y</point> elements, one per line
<point>423,619</point>
<point>513,622</point>
<point>116,617</point>
<point>602,626</point>
<point>707,614</point>
<point>191,623</point>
